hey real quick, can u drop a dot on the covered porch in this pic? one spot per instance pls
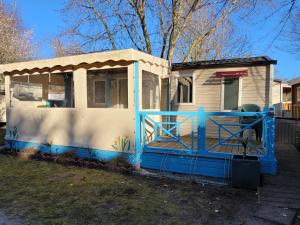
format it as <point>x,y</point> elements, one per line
<point>84,103</point>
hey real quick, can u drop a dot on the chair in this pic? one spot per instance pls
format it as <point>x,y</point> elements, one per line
<point>251,119</point>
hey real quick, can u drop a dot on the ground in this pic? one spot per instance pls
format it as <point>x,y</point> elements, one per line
<point>47,193</point>
<point>39,192</point>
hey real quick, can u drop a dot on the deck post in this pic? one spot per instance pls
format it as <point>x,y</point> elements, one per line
<point>138,147</point>
<point>201,147</point>
<point>269,135</point>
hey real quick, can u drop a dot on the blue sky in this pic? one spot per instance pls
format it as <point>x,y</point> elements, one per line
<point>46,21</point>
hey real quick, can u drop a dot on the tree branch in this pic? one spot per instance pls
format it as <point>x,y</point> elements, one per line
<point>139,7</point>
<point>105,25</point>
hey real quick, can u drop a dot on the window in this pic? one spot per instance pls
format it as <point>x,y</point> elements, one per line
<point>123,93</point>
<point>99,92</point>
<point>185,89</point>
<point>24,91</point>
<point>231,94</point>
<point>43,90</point>
<point>150,91</point>
<point>287,95</point>
<point>107,88</point>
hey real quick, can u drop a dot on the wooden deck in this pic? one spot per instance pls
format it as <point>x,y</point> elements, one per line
<point>283,190</point>
<point>187,140</point>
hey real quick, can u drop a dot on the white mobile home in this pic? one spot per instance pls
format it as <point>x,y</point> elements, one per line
<point>115,103</point>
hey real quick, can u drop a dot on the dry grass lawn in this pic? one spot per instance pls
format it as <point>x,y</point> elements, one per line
<point>48,193</point>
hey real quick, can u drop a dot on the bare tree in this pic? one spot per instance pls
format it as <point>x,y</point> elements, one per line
<point>285,13</point>
<point>209,36</point>
<point>15,41</point>
<point>166,28</point>
<point>65,49</point>
<point>292,34</point>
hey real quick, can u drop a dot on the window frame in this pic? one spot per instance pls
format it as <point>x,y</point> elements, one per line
<point>103,105</point>
<point>193,91</point>
<point>223,94</point>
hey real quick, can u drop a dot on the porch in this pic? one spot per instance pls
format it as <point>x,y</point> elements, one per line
<point>204,143</point>
<point>233,148</point>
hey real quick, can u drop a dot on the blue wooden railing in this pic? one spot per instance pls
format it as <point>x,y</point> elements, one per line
<point>159,127</point>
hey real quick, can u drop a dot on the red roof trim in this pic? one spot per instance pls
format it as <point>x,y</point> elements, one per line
<point>237,73</point>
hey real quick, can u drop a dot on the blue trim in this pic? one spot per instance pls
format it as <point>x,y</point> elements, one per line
<point>201,129</point>
<point>90,153</point>
<point>138,147</point>
<point>194,113</point>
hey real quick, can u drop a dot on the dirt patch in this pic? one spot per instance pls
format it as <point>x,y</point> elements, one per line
<point>27,153</point>
<point>118,164</point>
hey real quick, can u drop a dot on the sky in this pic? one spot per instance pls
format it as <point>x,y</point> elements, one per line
<point>45,19</point>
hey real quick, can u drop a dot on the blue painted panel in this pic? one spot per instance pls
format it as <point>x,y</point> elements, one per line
<point>213,167</point>
<point>201,165</point>
<point>138,146</point>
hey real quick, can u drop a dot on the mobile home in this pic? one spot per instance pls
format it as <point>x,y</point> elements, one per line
<point>125,103</point>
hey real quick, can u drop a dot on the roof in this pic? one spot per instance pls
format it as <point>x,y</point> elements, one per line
<point>60,63</point>
<point>278,80</point>
<point>295,81</point>
<point>234,62</point>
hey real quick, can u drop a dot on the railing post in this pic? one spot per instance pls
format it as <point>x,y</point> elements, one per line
<point>270,132</point>
<point>269,126</point>
<point>201,129</point>
<point>138,146</point>
<point>144,135</point>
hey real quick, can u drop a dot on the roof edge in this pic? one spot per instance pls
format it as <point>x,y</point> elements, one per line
<point>230,62</point>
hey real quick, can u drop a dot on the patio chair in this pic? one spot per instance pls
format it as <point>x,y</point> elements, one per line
<point>251,119</point>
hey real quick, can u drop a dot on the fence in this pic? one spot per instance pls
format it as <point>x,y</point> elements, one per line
<point>285,132</point>
<point>296,111</point>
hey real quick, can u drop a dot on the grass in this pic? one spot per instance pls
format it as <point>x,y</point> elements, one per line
<point>48,193</point>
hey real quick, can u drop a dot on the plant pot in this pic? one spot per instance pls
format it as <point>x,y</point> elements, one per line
<point>245,172</point>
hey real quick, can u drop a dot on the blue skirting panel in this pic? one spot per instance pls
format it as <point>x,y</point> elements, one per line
<point>186,164</point>
<point>103,155</point>
<point>268,166</point>
<point>201,165</point>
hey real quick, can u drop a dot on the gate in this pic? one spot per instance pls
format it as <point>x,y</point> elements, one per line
<point>285,131</point>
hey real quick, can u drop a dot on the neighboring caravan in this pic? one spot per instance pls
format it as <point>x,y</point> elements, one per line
<point>295,83</point>
<point>124,103</point>
<point>282,98</point>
